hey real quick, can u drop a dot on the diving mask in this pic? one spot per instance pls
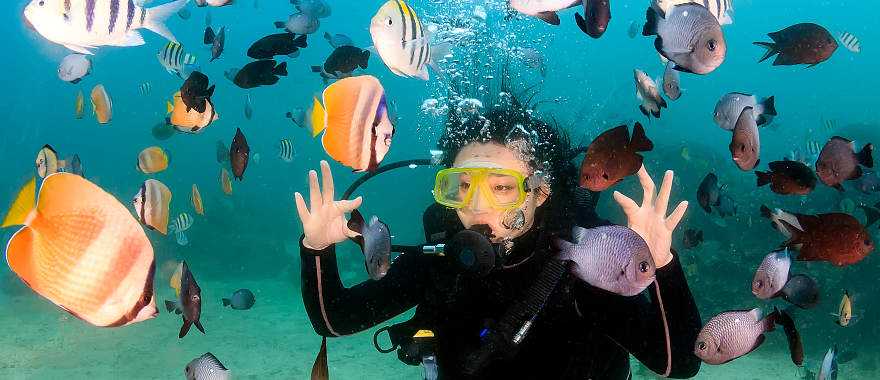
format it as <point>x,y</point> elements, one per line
<point>502,189</point>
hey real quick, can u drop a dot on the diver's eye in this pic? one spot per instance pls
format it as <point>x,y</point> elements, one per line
<point>711,45</point>
<point>643,266</point>
<point>701,346</point>
<point>605,175</point>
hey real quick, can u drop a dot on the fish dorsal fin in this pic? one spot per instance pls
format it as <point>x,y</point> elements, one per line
<point>318,117</point>
<point>213,361</point>
<point>579,234</point>
<point>22,206</point>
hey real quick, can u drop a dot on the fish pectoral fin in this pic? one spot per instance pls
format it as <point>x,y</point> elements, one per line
<point>132,38</point>
<point>79,49</point>
<point>549,17</point>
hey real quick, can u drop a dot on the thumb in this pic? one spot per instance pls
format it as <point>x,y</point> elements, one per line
<point>346,205</point>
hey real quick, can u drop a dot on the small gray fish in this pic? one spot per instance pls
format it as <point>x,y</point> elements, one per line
<point>802,291</point>
<point>745,145</point>
<point>869,182</point>
<point>337,40</point>
<point>732,334</point>
<point>634,28</point>
<point>299,23</point>
<point>74,67</point>
<point>709,192</point>
<point>690,36</point>
<point>231,73</point>
<point>242,299</point>
<point>207,367</point>
<point>74,165</point>
<point>726,206</point>
<point>828,368</point>
<point>730,106</point>
<point>314,8</point>
<point>248,107</point>
<point>772,275</point>
<point>839,162</point>
<point>375,243</point>
<point>217,41</point>
<point>671,81</point>
<point>613,258</point>
<point>648,94</point>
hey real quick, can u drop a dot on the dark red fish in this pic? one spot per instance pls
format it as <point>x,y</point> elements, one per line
<point>613,156</point>
<point>800,44</point>
<point>788,177</point>
<point>239,153</point>
<point>692,238</point>
<point>839,162</point>
<point>597,15</point>
<point>836,238</point>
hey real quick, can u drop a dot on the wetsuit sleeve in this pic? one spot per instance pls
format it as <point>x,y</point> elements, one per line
<point>335,310</point>
<point>659,326</point>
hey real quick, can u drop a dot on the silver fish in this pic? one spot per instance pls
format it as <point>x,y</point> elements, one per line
<point>730,106</point>
<point>732,334</point>
<point>375,243</point>
<point>688,35</point>
<point>74,67</point>
<point>745,145</point>
<point>206,367</point>
<point>648,94</point>
<point>337,40</point>
<point>613,258</point>
<point>299,23</point>
<point>772,275</point>
<point>671,81</point>
<point>828,368</point>
<point>314,8</point>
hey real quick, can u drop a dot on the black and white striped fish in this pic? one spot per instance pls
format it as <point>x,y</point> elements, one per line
<point>721,9</point>
<point>400,40</point>
<point>850,42</point>
<point>177,61</point>
<point>181,238</point>
<point>286,151</point>
<point>145,88</point>
<point>183,222</point>
<point>82,25</point>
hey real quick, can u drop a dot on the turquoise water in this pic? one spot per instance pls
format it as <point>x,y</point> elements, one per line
<point>250,239</point>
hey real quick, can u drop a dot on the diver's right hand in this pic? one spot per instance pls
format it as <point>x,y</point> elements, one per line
<point>324,221</point>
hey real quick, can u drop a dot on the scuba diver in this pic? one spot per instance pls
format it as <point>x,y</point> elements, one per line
<point>496,302</point>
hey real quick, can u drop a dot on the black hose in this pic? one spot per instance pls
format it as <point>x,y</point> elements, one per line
<point>376,341</point>
<point>383,169</point>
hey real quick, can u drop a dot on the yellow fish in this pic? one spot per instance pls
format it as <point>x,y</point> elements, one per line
<point>101,104</point>
<point>151,204</point>
<point>844,311</point>
<point>82,250</point>
<point>152,160</point>
<point>80,104</point>
<point>225,182</point>
<point>197,201</point>
<point>47,162</point>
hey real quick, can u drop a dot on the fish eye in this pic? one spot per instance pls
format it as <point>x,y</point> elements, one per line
<point>701,345</point>
<point>389,21</point>
<point>867,241</point>
<point>643,266</point>
<point>711,45</point>
<point>41,3</point>
<point>605,175</point>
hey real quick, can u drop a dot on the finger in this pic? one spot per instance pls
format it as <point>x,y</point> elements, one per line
<point>351,234</point>
<point>301,208</point>
<point>347,206</point>
<point>676,216</point>
<point>663,196</point>
<point>314,192</point>
<point>628,205</point>
<point>647,186</point>
<point>327,178</point>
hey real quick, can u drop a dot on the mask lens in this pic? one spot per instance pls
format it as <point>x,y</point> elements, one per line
<point>502,189</point>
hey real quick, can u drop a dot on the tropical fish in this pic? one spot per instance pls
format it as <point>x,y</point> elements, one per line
<point>731,105</point>
<point>726,206</point>
<point>196,199</point>
<point>217,41</point>
<point>314,8</point>
<point>828,368</point>
<point>82,250</point>
<point>692,238</point>
<point>649,96</point>
<point>772,274</point>
<point>225,182</point>
<point>835,237</point>
<point>805,43</point>
<point>190,300</point>
<point>597,15</point>
<point>286,150</point>
<point>354,118</point>
<point>239,153</point>
<point>720,9</point>
<point>152,160</point>
<point>207,367</point>
<point>163,131</point>
<point>299,23</point>
<point>613,258</point>
<point>241,299</point>
<point>195,92</point>
<point>343,61</point>
<point>850,42</point>
<point>222,152</point>
<point>337,40</point>
<point>688,35</point>
<point>839,162</point>
<point>544,10</point>
<point>79,105</point>
<point>248,107</point>
<point>708,193</point>
<point>400,40</point>
<point>74,165</point>
<point>191,121</point>
<point>777,216</point>
<point>613,156</point>
<point>788,177</point>
<point>145,88</point>
<point>101,104</point>
<point>47,162</point>
<point>844,311</point>
<point>151,205</point>
<point>375,241</point>
<point>745,145</point>
<point>671,81</point>
<point>260,73</point>
<point>276,44</point>
<point>176,61</point>
<point>732,334</point>
<point>180,238</point>
<point>74,67</point>
<point>297,116</point>
<point>634,28</point>
<point>81,25</point>
<point>183,222</point>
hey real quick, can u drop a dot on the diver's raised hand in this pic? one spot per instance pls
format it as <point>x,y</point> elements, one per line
<point>649,220</point>
<point>324,220</point>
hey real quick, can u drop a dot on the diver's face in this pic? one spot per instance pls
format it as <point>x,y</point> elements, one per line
<point>478,211</point>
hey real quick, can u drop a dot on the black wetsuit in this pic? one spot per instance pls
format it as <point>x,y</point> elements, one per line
<point>581,333</point>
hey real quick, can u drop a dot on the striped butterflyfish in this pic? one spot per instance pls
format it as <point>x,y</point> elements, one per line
<point>400,40</point>
<point>176,60</point>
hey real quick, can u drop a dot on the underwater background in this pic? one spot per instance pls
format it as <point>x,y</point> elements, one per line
<point>250,239</point>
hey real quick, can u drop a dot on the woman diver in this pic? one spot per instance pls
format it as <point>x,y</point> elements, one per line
<point>523,316</point>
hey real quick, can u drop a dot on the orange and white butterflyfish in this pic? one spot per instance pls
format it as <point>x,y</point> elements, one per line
<point>354,118</point>
<point>80,105</point>
<point>152,160</point>
<point>225,182</point>
<point>197,201</point>
<point>151,205</point>
<point>47,162</point>
<point>82,250</point>
<point>191,121</point>
<point>101,104</point>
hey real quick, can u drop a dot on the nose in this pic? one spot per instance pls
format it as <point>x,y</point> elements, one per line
<point>477,203</point>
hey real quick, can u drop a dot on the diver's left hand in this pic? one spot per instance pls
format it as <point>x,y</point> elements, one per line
<point>649,220</point>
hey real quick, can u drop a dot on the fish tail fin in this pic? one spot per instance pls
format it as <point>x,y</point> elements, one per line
<point>280,70</point>
<point>328,37</point>
<point>156,16</point>
<point>640,141</point>
<point>184,329</point>
<point>802,291</point>
<point>280,24</point>
<point>795,344</point>
<point>199,326</point>
<point>644,110</point>
<point>317,118</point>
<point>365,59</point>
<point>769,105</point>
<point>865,156</point>
<point>766,212</point>
<point>872,214</point>
<point>771,47</point>
<point>23,205</point>
<point>301,41</point>
<point>226,302</point>
<point>650,28</point>
<point>169,306</point>
<point>763,179</point>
